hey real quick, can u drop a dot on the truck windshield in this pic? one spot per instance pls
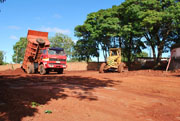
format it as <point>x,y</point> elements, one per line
<point>114,53</point>
<point>55,52</point>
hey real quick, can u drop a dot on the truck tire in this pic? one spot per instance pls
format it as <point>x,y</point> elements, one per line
<point>60,71</point>
<point>30,69</point>
<point>101,69</point>
<point>42,70</point>
<point>121,68</point>
<point>40,41</point>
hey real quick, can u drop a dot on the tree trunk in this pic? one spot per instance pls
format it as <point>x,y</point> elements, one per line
<point>148,38</point>
<point>154,52</point>
<point>120,42</point>
<point>130,53</point>
<point>105,55</point>
<point>98,55</point>
<point>114,40</point>
<point>103,51</point>
<point>87,59</point>
<point>160,51</point>
<point>129,60</point>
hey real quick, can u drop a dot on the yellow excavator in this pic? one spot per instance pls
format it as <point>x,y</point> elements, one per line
<point>113,62</point>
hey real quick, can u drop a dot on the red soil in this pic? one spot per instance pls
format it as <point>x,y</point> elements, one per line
<point>144,95</point>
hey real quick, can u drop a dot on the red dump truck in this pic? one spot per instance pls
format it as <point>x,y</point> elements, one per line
<point>39,57</point>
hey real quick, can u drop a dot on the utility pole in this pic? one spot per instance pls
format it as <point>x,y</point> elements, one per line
<point>16,54</point>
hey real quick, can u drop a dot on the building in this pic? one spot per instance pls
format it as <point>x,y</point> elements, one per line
<point>175,57</point>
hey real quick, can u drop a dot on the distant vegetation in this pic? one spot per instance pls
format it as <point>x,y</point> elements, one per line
<point>1,57</point>
<point>19,50</point>
<point>63,41</point>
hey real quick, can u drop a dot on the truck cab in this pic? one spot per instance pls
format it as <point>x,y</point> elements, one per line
<point>52,59</point>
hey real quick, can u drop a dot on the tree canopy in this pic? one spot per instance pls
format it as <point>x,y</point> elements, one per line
<point>62,41</point>
<point>19,50</point>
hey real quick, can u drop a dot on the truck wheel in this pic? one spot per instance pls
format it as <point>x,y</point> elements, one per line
<point>121,68</point>
<point>60,71</point>
<point>101,69</point>
<point>40,41</point>
<point>42,69</point>
<point>30,69</point>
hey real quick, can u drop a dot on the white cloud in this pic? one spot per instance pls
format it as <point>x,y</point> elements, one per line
<point>56,16</point>
<point>55,30</point>
<point>14,37</point>
<point>14,27</point>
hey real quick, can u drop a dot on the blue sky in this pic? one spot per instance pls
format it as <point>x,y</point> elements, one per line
<point>17,16</point>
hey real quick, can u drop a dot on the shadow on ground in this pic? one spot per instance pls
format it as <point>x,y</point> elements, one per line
<point>17,92</point>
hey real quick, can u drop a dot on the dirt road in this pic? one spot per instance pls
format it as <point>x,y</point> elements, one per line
<point>89,96</point>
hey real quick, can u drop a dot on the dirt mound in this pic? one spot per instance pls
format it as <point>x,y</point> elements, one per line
<point>19,71</point>
<point>16,71</point>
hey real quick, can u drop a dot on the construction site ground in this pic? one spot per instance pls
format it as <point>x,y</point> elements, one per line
<point>144,95</point>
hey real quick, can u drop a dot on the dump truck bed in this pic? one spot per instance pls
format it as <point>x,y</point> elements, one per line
<point>33,35</point>
<point>32,53</point>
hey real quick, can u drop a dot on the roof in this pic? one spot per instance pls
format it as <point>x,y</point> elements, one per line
<point>57,48</point>
<point>114,49</point>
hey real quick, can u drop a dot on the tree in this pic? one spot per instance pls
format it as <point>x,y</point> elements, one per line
<point>63,41</point>
<point>130,32</point>
<point>1,57</point>
<point>100,30</point>
<point>158,19</point>
<point>85,47</point>
<point>19,50</point>
<point>84,50</point>
<point>105,28</point>
<point>108,29</point>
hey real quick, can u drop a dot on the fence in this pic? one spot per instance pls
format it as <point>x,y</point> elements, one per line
<point>71,66</point>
